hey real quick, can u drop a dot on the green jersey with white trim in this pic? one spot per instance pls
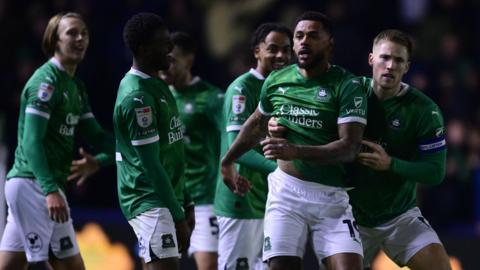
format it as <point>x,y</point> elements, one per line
<point>62,100</point>
<point>410,127</point>
<point>312,109</point>
<point>145,114</point>
<point>200,107</point>
<point>241,100</point>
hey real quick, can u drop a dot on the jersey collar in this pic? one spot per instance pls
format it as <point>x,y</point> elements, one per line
<point>404,88</point>
<point>256,74</point>
<point>195,80</point>
<point>138,73</point>
<point>57,63</point>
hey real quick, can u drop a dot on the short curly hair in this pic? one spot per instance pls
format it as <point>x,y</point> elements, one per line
<point>139,30</point>
<point>264,29</point>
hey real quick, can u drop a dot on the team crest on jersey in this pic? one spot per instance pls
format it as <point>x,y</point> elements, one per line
<point>238,104</point>
<point>144,116</point>
<point>167,241</point>
<point>188,108</point>
<point>45,91</point>
<point>322,94</point>
<point>396,123</point>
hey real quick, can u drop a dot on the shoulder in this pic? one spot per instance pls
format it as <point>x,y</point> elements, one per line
<point>285,74</point>
<point>418,99</point>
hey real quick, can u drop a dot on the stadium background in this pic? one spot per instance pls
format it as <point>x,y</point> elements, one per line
<point>445,65</point>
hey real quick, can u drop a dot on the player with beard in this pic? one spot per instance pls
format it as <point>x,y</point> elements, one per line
<point>54,108</point>
<point>150,158</point>
<point>324,111</point>
<point>240,218</point>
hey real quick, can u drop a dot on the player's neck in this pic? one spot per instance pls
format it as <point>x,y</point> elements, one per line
<point>316,71</point>
<point>262,70</point>
<point>66,66</point>
<point>182,83</point>
<point>385,93</point>
<point>144,67</point>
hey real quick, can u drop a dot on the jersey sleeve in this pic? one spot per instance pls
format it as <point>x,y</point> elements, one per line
<point>352,102</point>
<point>139,114</point>
<point>239,105</point>
<point>42,96</point>
<point>428,166</point>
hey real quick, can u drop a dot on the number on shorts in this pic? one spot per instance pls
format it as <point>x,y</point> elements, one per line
<point>214,225</point>
<point>352,226</point>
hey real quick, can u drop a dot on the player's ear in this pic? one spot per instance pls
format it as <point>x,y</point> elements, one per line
<point>407,67</point>
<point>370,59</point>
<point>256,51</point>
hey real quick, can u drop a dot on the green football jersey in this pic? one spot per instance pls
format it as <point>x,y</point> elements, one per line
<point>241,100</point>
<point>62,100</point>
<point>145,113</point>
<point>410,127</point>
<point>311,109</point>
<point>200,107</point>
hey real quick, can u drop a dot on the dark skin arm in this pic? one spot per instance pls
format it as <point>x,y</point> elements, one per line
<point>252,132</point>
<point>339,151</point>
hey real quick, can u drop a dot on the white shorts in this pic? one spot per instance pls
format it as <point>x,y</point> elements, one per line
<point>29,227</point>
<point>299,209</point>
<point>205,235</point>
<point>401,238</point>
<point>156,234</point>
<point>240,244</point>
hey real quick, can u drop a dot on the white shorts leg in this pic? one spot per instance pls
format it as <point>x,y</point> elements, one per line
<point>205,235</point>
<point>156,234</point>
<point>30,229</point>
<point>240,244</point>
<point>401,238</point>
<point>298,209</point>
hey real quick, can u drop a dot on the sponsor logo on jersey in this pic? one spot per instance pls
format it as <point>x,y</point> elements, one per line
<point>176,132</point>
<point>45,91</point>
<point>322,95</point>
<point>282,90</point>
<point>301,116</point>
<point>144,116</point>
<point>140,99</point>
<point>239,89</point>
<point>238,104</point>
<point>72,119</point>
<point>440,131</point>
<point>167,241</point>
<point>358,101</point>
<point>34,242</point>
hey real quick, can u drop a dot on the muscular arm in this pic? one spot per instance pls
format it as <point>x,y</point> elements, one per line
<point>254,129</point>
<point>339,151</point>
<point>252,159</point>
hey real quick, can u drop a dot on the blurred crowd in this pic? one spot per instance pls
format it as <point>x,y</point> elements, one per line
<point>446,66</point>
